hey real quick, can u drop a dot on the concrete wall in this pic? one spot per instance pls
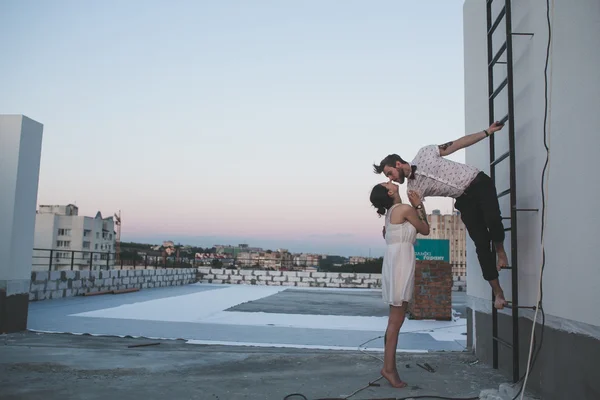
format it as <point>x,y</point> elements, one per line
<point>570,277</point>
<point>573,188</point>
<point>20,151</point>
<point>289,278</point>
<point>58,284</point>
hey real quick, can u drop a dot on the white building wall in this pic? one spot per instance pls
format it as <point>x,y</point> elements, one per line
<point>20,149</point>
<point>571,275</point>
<point>52,231</point>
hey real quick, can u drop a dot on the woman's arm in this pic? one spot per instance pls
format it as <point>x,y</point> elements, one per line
<point>417,216</point>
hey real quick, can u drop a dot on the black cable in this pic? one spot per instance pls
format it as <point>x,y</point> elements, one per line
<point>533,359</point>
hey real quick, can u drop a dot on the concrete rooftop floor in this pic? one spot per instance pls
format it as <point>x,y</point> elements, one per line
<point>231,342</point>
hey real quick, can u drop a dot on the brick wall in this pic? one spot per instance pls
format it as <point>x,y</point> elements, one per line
<point>57,284</point>
<point>289,278</point>
<point>433,291</point>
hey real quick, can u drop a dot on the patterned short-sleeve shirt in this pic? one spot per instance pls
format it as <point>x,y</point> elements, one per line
<point>438,176</point>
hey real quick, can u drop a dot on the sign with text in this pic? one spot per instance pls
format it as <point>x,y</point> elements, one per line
<point>432,249</point>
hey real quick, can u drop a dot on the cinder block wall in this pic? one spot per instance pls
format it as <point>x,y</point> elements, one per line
<point>57,284</point>
<point>288,278</point>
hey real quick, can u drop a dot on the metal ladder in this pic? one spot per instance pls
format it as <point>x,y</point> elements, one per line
<point>494,56</point>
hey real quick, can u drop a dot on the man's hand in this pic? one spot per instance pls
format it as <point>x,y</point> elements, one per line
<point>414,198</point>
<point>495,127</point>
<point>383,232</point>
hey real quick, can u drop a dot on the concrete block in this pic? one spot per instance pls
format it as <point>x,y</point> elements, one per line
<point>288,283</point>
<point>56,294</point>
<point>224,276</point>
<point>335,285</point>
<point>283,278</point>
<point>275,273</point>
<point>32,296</point>
<point>375,276</point>
<point>293,279</point>
<point>41,276</point>
<point>245,272</point>
<point>291,273</point>
<point>62,285</point>
<point>266,277</point>
<point>55,275</point>
<point>303,274</point>
<point>51,285</point>
<point>36,287</point>
<point>332,275</point>
<point>204,270</point>
<point>318,274</point>
<point>68,293</point>
<point>258,272</point>
<point>303,284</point>
<point>125,281</point>
<point>70,274</point>
<point>216,271</point>
<point>323,280</point>
<point>84,274</point>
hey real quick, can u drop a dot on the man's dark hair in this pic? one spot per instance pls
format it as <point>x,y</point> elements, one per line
<point>390,161</point>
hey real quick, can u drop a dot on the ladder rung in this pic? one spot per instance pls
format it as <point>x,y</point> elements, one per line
<point>503,120</point>
<point>499,159</point>
<point>498,55</point>
<point>497,21</point>
<point>501,194</point>
<point>504,342</point>
<point>499,89</point>
<point>507,267</point>
<point>509,305</point>
<point>507,229</point>
<point>505,217</point>
<point>527,209</point>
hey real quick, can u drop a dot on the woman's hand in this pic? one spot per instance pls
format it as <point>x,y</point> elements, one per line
<point>414,198</point>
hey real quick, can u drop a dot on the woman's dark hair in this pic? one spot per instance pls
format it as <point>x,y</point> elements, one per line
<point>389,161</point>
<point>380,199</point>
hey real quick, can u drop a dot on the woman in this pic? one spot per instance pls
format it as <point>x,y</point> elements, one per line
<point>402,222</point>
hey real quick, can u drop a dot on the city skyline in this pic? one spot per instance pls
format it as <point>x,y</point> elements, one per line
<point>231,121</point>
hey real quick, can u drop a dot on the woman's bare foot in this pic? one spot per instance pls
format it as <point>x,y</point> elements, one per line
<point>502,260</point>
<point>500,301</point>
<point>393,378</point>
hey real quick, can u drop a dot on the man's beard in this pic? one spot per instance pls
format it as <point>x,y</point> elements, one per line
<point>401,176</point>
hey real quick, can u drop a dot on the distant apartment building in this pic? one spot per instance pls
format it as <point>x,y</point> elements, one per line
<point>265,259</point>
<point>306,261</point>
<point>451,227</point>
<point>64,239</point>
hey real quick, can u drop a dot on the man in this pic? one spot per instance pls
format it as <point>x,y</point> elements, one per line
<point>429,174</point>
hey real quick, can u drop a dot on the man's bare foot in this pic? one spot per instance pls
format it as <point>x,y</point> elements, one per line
<point>393,378</point>
<point>500,301</point>
<point>502,260</point>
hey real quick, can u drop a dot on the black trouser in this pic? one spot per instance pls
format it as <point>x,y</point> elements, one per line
<point>480,212</point>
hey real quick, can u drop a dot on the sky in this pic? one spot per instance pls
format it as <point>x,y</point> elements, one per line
<point>255,122</point>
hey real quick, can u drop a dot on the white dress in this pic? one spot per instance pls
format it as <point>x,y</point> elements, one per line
<point>398,272</point>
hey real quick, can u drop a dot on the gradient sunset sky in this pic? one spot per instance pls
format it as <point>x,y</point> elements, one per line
<point>233,121</point>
